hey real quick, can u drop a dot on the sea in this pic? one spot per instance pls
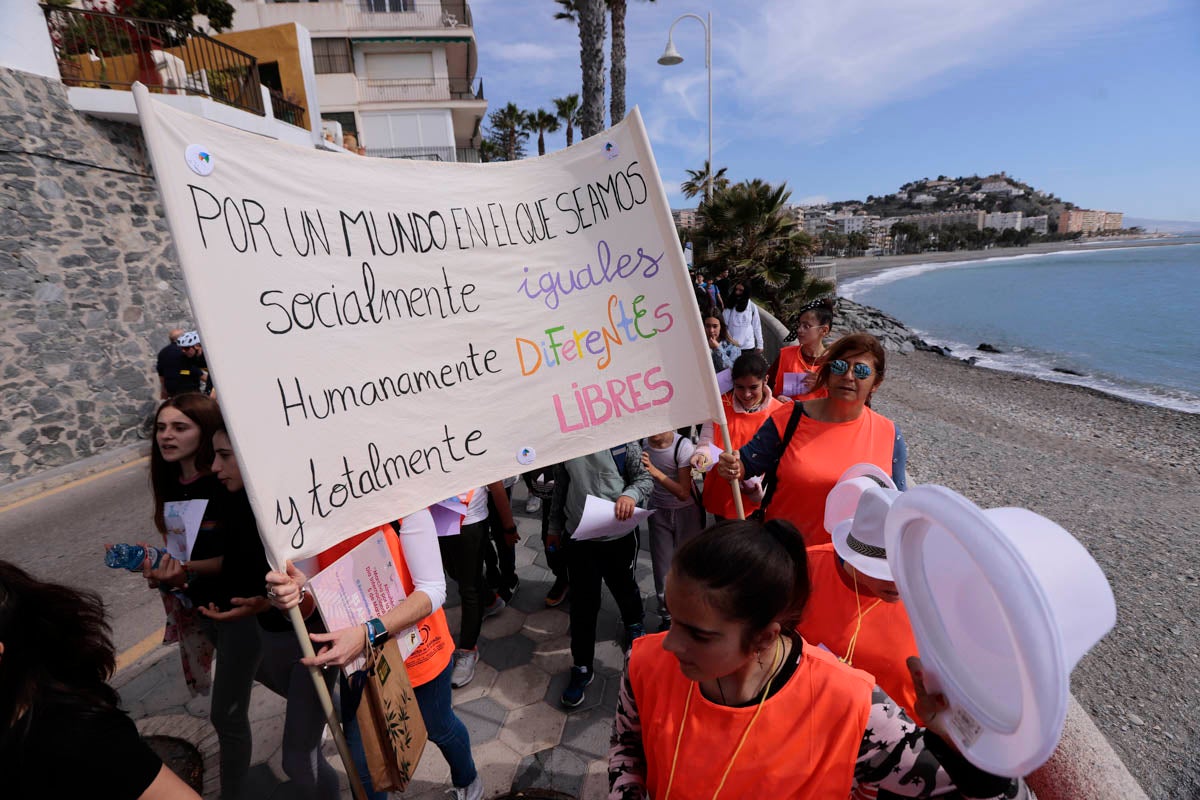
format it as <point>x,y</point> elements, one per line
<point>1124,321</point>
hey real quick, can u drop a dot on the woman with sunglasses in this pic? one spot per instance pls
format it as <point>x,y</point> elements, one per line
<point>828,435</point>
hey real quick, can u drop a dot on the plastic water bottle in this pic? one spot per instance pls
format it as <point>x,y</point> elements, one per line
<point>132,556</point>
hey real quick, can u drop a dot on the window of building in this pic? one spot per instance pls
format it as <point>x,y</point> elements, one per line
<point>332,55</point>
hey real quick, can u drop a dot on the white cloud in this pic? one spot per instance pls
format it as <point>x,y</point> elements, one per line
<point>811,200</point>
<point>822,65</point>
<point>525,52</point>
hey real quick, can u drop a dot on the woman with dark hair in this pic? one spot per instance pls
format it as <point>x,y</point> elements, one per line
<point>243,569</point>
<point>793,374</point>
<point>803,448</point>
<point>741,317</point>
<point>724,350</point>
<point>747,406</point>
<point>180,474</point>
<point>62,732</point>
<point>732,702</point>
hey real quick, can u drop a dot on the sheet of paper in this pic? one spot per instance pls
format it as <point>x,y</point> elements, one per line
<point>725,381</point>
<point>447,521</point>
<point>458,503</point>
<point>362,584</point>
<point>797,383</point>
<point>183,518</point>
<point>599,520</point>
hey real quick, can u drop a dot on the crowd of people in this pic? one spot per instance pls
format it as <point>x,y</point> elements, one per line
<point>781,666</point>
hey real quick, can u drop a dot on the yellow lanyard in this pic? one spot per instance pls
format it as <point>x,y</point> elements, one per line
<point>776,662</point>
<point>849,659</point>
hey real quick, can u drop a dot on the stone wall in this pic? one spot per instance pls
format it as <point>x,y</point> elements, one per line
<point>89,283</point>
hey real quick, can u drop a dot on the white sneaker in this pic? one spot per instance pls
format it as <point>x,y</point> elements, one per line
<point>495,608</point>
<point>472,792</point>
<point>533,504</point>
<point>464,667</point>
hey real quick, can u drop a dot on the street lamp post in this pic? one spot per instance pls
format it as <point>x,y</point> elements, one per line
<point>671,57</point>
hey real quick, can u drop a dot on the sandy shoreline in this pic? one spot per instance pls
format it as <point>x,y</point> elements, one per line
<point>865,265</point>
<point>1124,479</point>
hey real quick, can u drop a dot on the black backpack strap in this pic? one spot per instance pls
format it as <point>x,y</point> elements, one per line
<point>770,477</point>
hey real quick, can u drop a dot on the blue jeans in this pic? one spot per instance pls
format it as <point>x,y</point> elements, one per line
<point>445,728</point>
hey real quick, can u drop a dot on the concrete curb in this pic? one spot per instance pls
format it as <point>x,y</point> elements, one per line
<point>1084,765</point>
<point>25,488</point>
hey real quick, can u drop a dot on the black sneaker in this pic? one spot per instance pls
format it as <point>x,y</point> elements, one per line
<point>557,593</point>
<point>635,631</point>
<point>581,678</point>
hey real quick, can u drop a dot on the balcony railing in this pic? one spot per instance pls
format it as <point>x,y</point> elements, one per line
<point>287,111</point>
<point>407,14</point>
<point>460,154</point>
<point>109,51</point>
<point>394,90</point>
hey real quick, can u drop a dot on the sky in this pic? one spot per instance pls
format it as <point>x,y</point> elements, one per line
<point>1097,101</point>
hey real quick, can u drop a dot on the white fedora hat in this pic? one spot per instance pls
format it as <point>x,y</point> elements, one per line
<point>843,497</point>
<point>859,540</point>
<point>1003,604</point>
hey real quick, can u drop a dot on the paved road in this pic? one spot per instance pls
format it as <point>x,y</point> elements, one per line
<point>60,536</point>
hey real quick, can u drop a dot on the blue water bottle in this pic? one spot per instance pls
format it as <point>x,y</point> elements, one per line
<point>132,556</point>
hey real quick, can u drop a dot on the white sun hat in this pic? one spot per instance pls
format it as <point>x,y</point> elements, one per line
<point>859,540</point>
<point>1003,604</point>
<point>843,497</point>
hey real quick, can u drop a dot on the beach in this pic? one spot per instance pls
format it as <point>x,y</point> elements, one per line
<point>1122,477</point>
<point>865,265</point>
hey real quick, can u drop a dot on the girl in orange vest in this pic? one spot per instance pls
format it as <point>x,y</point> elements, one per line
<point>732,703</point>
<point>830,434</point>
<point>415,553</point>
<point>804,358</point>
<point>747,406</point>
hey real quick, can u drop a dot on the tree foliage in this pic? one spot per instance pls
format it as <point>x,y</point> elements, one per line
<point>508,130</point>
<point>697,182</point>
<point>541,122</point>
<point>567,111</point>
<point>746,228</point>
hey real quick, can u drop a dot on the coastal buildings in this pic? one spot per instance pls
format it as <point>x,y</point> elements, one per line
<point>999,184</point>
<point>1039,225</point>
<point>1082,220</point>
<point>398,77</point>
<point>1003,220</point>
<point>849,223</point>
<point>942,219</point>
<point>685,218</point>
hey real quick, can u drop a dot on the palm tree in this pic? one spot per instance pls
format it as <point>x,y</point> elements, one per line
<point>616,9</point>
<point>697,182</point>
<point>569,10</point>
<point>589,16</point>
<point>541,122</point>
<point>567,110</point>
<point>746,229</point>
<point>509,130</point>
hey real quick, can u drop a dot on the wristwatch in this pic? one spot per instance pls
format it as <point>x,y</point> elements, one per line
<point>377,633</point>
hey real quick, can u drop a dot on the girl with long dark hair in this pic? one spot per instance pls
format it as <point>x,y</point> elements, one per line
<point>62,732</point>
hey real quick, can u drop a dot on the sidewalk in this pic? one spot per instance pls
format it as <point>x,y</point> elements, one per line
<point>520,735</point>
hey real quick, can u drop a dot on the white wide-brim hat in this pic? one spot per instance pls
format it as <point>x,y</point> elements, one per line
<point>843,497</point>
<point>859,541</point>
<point>1003,604</point>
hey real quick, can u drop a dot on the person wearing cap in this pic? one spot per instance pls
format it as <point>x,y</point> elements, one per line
<point>804,447</point>
<point>854,610</point>
<point>731,702</point>
<point>795,369</point>
<point>181,365</point>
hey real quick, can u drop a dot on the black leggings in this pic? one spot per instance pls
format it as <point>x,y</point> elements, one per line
<point>589,563</point>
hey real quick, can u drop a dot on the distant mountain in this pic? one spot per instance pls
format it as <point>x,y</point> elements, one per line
<point>1163,225</point>
<point>1000,192</point>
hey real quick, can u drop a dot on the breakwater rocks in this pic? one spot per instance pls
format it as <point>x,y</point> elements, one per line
<point>89,282</point>
<point>852,317</point>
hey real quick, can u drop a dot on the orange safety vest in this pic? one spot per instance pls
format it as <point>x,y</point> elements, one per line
<point>884,640</point>
<point>792,360</point>
<point>718,496</point>
<point>803,745</point>
<point>436,648</point>
<point>816,457</point>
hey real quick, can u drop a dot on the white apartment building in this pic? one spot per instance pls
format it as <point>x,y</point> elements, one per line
<point>399,76</point>
<point>850,223</point>
<point>685,218</point>
<point>1037,224</point>
<point>1001,220</point>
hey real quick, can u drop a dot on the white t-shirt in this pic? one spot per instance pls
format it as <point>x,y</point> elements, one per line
<point>477,509</point>
<point>745,327</point>
<point>665,459</point>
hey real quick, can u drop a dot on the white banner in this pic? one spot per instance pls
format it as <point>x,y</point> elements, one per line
<point>384,334</point>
